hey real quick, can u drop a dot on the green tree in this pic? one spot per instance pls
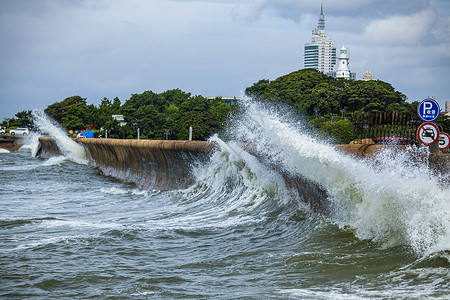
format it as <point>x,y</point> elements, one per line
<point>58,110</point>
<point>258,89</point>
<point>204,116</point>
<point>175,97</point>
<point>309,91</point>
<point>145,119</point>
<point>340,131</point>
<point>105,110</point>
<point>23,119</point>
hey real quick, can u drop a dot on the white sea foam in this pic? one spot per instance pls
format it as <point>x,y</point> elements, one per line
<point>124,191</point>
<point>393,202</point>
<point>78,224</point>
<point>57,160</point>
<point>2,151</point>
<point>66,145</point>
<point>31,143</point>
<point>237,182</point>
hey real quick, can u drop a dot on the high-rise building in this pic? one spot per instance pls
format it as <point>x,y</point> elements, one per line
<point>320,54</point>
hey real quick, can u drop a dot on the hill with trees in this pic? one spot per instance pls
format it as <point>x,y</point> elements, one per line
<point>311,92</point>
<point>333,106</point>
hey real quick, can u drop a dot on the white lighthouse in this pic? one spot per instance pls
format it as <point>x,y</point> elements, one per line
<point>343,71</point>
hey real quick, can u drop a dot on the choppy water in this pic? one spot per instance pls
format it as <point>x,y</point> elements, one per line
<point>69,232</point>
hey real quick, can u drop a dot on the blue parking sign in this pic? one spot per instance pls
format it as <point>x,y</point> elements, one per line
<point>428,110</point>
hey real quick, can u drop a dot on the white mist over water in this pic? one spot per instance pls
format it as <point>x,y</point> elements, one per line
<point>57,160</point>
<point>31,143</point>
<point>241,180</point>
<point>392,201</point>
<point>66,145</point>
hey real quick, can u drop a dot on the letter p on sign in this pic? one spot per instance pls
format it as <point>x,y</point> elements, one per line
<point>426,106</point>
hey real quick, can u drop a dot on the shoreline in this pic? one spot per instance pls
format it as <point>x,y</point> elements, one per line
<point>10,144</point>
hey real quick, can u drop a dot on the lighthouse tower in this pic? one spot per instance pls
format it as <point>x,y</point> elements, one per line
<point>343,71</point>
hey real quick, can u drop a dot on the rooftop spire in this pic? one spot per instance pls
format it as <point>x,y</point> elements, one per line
<point>321,25</point>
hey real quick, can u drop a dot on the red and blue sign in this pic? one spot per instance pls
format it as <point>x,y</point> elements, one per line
<point>428,133</point>
<point>428,110</point>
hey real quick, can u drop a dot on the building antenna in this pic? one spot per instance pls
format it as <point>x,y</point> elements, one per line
<point>321,25</point>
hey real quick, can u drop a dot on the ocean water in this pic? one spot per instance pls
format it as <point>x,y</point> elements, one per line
<point>67,231</point>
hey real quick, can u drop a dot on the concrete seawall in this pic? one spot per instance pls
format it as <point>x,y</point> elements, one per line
<point>167,165</point>
<point>150,164</point>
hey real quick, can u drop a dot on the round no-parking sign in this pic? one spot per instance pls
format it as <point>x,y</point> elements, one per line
<point>444,141</point>
<point>428,133</point>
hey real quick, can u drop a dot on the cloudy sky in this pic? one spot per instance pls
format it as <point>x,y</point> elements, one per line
<point>53,49</point>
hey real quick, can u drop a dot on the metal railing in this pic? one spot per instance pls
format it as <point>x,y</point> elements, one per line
<point>388,128</point>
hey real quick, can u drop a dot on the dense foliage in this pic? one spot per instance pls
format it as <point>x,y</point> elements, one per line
<point>171,113</point>
<point>22,119</point>
<point>312,92</point>
<point>158,116</point>
<point>325,100</point>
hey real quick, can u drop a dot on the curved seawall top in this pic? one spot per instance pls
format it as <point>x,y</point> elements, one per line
<point>150,164</point>
<point>162,165</point>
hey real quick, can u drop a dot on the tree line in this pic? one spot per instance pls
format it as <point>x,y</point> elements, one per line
<point>334,105</point>
<point>158,116</point>
<point>330,105</point>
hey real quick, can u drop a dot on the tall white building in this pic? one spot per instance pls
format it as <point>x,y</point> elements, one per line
<point>320,54</point>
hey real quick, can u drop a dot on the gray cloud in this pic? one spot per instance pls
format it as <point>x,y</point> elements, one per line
<point>359,9</point>
<point>55,49</point>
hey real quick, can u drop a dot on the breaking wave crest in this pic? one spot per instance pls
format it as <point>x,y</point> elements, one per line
<point>67,146</point>
<point>388,200</point>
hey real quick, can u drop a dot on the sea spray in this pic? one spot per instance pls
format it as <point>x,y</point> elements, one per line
<point>31,143</point>
<point>240,180</point>
<point>52,161</point>
<point>66,145</point>
<point>392,202</point>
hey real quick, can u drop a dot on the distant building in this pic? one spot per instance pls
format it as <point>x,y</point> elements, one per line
<point>120,119</point>
<point>320,54</point>
<point>226,100</point>
<point>368,75</point>
<point>447,106</point>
